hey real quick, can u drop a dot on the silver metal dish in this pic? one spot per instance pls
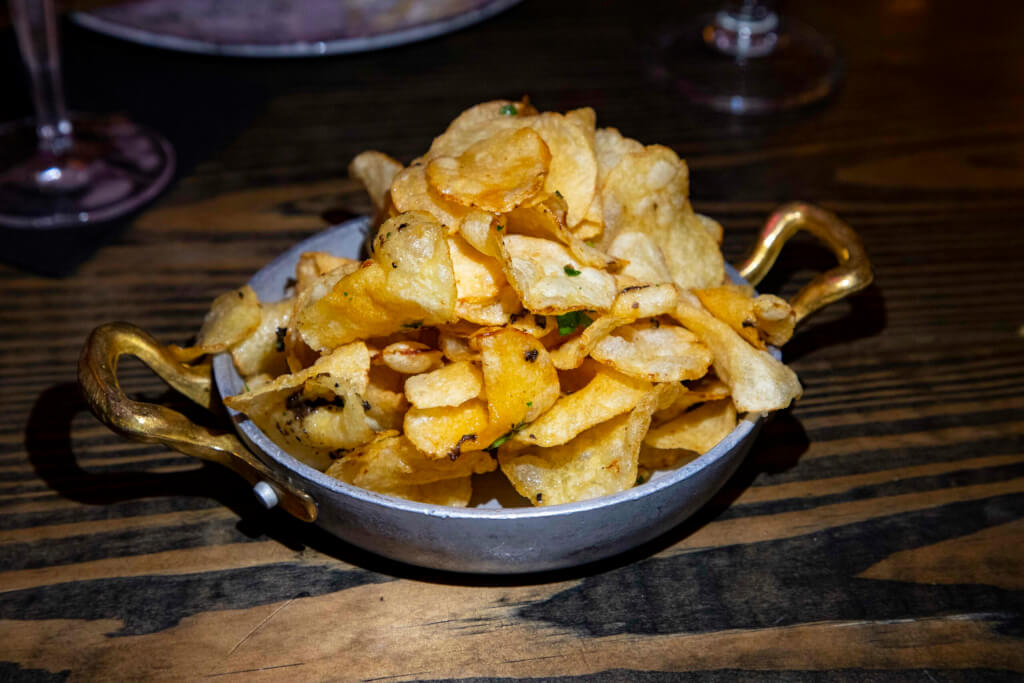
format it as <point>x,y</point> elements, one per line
<point>486,538</point>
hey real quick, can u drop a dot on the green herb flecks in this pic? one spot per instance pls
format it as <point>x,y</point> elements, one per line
<point>570,271</point>
<point>568,322</point>
<point>508,110</point>
<point>415,325</point>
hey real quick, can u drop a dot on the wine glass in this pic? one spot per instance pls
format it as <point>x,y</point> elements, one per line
<point>58,170</point>
<point>747,58</point>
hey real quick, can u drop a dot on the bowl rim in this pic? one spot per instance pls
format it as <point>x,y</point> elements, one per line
<point>228,382</point>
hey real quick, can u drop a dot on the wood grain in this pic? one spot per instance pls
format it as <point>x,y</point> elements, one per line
<point>875,532</point>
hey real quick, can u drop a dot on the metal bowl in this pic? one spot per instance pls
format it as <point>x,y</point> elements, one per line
<point>485,538</point>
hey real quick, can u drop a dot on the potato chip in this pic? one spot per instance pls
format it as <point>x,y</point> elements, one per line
<point>496,174</point>
<point>644,260</point>
<point>608,394</point>
<point>232,317</point>
<point>478,277</point>
<point>391,462</point>
<point>497,311</point>
<point>707,388</point>
<point>652,458</point>
<point>313,265</point>
<point>480,230</point>
<point>760,320</point>
<point>598,462</point>
<point>456,348</point>
<point>547,220</point>
<point>375,171</point>
<point>609,147</point>
<point>479,123</point>
<point>449,431</point>
<point>657,353</point>
<point>757,381</point>
<point>573,166</point>
<point>632,303</point>
<point>262,352</point>
<point>697,430</point>
<point>385,398</point>
<point>549,280</point>
<point>519,378</point>
<point>411,192</point>
<point>451,385</point>
<point>408,284</point>
<point>410,358</point>
<point>713,227</point>
<point>647,192</point>
<point>775,319</point>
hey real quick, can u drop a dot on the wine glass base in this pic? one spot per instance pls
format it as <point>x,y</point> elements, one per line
<point>801,68</point>
<point>113,167</point>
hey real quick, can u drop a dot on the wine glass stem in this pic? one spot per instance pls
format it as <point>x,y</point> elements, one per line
<point>744,28</point>
<point>35,24</point>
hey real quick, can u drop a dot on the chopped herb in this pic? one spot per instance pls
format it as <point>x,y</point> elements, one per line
<point>413,325</point>
<point>387,236</point>
<point>589,243</point>
<point>640,479</point>
<point>530,356</point>
<point>506,436</point>
<point>394,265</point>
<point>499,228</point>
<point>245,385</point>
<point>570,271</point>
<point>529,404</point>
<point>559,194</point>
<point>279,342</point>
<point>345,293</point>
<point>568,322</point>
<point>508,110</point>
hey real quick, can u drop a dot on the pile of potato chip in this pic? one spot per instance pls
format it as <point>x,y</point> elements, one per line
<point>539,297</point>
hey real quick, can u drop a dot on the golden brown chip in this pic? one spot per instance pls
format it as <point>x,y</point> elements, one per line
<point>410,191</point>
<point>408,284</point>
<point>631,303</point>
<point>452,385</point>
<point>386,398</point>
<point>661,353</point>
<point>547,220</point>
<point>494,312</point>
<point>448,431</point>
<point>496,174</point>
<point>573,166</point>
<point>663,458</point>
<point>608,394</point>
<point>775,319</point>
<point>233,316</point>
<point>481,231</point>
<point>733,305</point>
<point>707,388</point>
<point>647,192</point>
<point>478,277</point>
<point>262,352</point>
<point>375,171</point>
<point>549,280</point>
<point>391,462</point>
<point>519,378</point>
<point>599,462</point>
<point>697,430</point>
<point>479,123</point>
<point>757,381</point>
<point>410,358</point>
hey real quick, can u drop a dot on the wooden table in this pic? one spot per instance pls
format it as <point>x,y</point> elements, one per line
<point>875,532</point>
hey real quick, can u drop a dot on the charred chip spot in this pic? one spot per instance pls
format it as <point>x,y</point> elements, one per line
<point>279,342</point>
<point>635,305</point>
<point>456,450</point>
<point>633,288</point>
<point>530,356</point>
<point>540,321</point>
<point>540,497</point>
<point>747,323</point>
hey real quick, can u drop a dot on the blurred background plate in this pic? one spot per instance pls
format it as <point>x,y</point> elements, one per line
<point>285,28</point>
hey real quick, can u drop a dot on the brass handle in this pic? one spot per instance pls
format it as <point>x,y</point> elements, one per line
<point>152,423</point>
<point>852,274</point>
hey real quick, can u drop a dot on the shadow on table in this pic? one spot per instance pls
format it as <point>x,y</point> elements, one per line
<point>48,441</point>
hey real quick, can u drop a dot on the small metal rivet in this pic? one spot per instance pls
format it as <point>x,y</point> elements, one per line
<point>266,494</point>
